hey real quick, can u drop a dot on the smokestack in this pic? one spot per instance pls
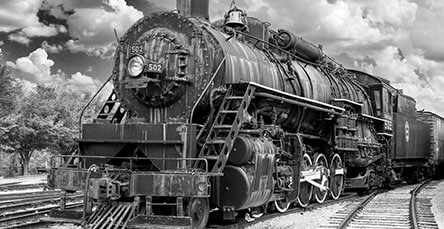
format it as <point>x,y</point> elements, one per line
<point>193,8</point>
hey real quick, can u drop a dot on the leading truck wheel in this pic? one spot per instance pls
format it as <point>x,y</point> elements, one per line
<point>305,188</point>
<point>321,161</point>
<point>199,212</point>
<point>336,177</point>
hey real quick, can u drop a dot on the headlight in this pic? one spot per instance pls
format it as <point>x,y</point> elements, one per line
<point>136,65</point>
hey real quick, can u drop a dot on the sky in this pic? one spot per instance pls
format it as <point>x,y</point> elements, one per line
<point>71,42</point>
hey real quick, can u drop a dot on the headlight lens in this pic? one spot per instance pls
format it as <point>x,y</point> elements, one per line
<point>136,65</point>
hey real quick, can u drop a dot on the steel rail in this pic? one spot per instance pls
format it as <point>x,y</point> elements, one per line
<point>22,186</point>
<point>5,197</point>
<point>356,210</point>
<point>412,210</point>
<point>38,201</point>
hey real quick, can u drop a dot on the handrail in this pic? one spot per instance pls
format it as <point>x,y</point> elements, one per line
<point>89,103</point>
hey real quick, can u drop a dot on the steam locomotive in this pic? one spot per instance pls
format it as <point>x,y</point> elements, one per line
<point>234,118</point>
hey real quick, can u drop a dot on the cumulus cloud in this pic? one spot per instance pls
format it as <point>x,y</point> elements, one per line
<point>91,23</point>
<point>428,32</point>
<point>83,82</point>
<point>36,64</point>
<point>148,7</point>
<point>104,51</point>
<point>40,30</point>
<point>18,14</point>
<point>19,38</point>
<point>398,13</point>
<point>37,69</point>
<point>54,48</point>
<point>20,19</point>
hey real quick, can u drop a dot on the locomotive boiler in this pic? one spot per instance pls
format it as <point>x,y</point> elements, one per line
<point>229,118</point>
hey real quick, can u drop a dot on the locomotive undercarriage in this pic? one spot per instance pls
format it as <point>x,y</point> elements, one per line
<point>302,172</point>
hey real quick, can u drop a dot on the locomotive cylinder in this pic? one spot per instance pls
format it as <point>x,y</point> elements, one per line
<point>250,184</point>
<point>243,149</point>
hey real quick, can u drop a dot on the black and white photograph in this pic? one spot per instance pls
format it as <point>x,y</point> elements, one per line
<point>193,114</point>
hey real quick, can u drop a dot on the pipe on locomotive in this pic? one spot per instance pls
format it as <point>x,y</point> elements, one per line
<point>82,112</point>
<point>193,8</point>
<point>300,47</point>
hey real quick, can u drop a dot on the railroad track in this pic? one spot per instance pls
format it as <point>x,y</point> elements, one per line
<point>242,223</point>
<point>11,196</point>
<point>25,209</point>
<point>29,217</point>
<point>35,201</point>
<point>391,209</point>
<point>424,216</point>
<point>14,186</point>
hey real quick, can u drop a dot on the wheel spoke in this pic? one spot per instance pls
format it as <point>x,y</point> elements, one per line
<point>305,189</point>
<point>199,212</point>
<point>336,181</point>
<point>321,161</point>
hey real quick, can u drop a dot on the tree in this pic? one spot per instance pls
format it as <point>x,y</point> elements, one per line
<point>26,135</point>
<point>46,119</point>
<point>10,90</point>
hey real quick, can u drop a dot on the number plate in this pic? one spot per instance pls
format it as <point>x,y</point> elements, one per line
<point>154,67</point>
<point>136,49</point>
<point>136,84</point>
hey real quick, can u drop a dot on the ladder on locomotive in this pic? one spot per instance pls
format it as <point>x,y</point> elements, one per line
<point>111,111</point>
<point>225,128</point>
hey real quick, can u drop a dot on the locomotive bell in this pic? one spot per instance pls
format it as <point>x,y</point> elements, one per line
<point>235,18</point>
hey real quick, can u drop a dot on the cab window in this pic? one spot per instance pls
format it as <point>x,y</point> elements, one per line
<point>377,97</point>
